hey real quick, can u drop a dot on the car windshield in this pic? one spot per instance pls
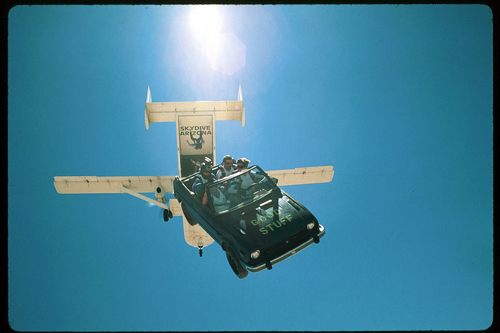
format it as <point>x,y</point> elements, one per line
<point>239,190</point>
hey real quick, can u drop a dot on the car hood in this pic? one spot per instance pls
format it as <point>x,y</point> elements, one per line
<point>271,222</point>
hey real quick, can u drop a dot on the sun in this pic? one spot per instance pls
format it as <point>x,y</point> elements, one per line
<point>205,22</point>
<point>205,44</point>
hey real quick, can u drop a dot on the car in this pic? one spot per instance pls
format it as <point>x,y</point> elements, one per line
<point>255,222</point>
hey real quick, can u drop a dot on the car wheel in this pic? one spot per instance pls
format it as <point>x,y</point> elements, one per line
<point>190,220</point>
<point>235,264</point>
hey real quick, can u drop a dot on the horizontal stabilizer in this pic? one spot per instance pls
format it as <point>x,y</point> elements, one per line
<point>168,111</point>
<point>298,176</point>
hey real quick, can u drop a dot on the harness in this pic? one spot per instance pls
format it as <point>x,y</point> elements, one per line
<point>224,172</point>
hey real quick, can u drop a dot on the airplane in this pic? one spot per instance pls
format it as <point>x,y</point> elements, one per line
<point>195,127</point>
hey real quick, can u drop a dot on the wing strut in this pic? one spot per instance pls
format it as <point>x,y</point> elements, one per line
<point>143,197</point>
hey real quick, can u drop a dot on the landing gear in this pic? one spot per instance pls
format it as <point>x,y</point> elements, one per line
<point>235,264</point>
<point>167,214</point>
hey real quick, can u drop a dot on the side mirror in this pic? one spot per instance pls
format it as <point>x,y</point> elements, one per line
<point>275,180</point>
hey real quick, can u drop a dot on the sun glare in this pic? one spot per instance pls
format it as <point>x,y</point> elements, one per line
<point>206,43</point>
<point>205,22</point>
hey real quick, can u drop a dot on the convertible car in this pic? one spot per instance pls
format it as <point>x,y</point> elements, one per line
<point>256,223</point>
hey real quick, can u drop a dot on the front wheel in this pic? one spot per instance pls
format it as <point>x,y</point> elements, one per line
<point>235,264</point>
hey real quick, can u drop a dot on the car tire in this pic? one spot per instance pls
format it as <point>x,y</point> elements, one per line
<point>235,264</point>
<point>190,220</point>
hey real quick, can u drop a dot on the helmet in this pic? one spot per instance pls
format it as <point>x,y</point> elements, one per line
<point>204,167</point>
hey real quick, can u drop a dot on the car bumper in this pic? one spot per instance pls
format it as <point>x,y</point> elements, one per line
<point>287,254</point>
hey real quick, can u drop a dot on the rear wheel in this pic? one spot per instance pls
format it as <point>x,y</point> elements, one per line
<point>190,220</point>
<point>235,264</point>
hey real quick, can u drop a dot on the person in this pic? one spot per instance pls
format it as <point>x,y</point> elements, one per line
<point>242,163</point>
<point>246,180</point>
<point>239,185</point>
<point>204,178</point>
<point>227,167</point>
<point>218,199</point>
<point>197,164</point>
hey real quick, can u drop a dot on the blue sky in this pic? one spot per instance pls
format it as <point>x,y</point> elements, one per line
<point>398,99</point>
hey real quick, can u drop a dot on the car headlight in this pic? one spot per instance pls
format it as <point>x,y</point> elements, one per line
<point>311,225</point>
<point>255,254</point>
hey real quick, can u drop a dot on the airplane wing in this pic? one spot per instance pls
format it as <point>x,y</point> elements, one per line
<point>131,185</point>
<point>194,235</point>
<point>92,184</point>
<point>298,176</point>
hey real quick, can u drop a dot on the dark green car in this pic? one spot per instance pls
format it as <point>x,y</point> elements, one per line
<point>257,224</point>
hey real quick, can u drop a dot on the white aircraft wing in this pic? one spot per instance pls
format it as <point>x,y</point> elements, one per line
<point>159,185</point>
<point>92,184</point>
<point>298,176</point>
<point>194,235</point>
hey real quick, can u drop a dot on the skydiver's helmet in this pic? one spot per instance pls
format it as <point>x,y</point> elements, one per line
<point>208,161</point>
<point>203,169</point>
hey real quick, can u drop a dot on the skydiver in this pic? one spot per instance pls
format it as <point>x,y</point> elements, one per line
<point>239,185</point>
<point>227,167</point>
<point>204,178</point>
<point>197,143</point>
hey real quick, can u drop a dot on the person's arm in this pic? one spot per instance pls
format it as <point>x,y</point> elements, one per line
<point>205,199</point>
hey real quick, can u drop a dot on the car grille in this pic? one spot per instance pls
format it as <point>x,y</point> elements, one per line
<point>286,245</point>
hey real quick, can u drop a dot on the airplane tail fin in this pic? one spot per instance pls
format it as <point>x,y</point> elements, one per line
<point>148,100</point>
<point>240,95</point>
